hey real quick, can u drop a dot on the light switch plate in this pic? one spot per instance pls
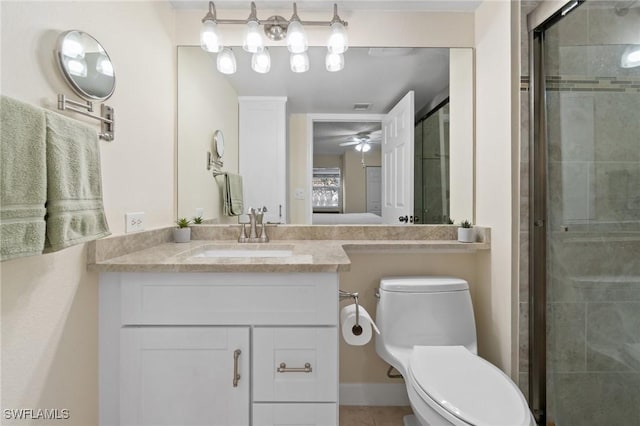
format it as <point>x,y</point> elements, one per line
<point>134,222</point>
<point>299,194</point>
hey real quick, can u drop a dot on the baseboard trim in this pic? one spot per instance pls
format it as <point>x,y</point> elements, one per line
<point>373,394</point>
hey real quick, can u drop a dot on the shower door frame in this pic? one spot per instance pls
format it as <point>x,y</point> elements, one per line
<point>547,13</point>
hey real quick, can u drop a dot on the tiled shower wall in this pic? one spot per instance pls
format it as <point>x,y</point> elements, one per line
<point>594,226</point>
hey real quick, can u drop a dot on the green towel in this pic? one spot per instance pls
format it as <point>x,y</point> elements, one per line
<point>75,213</point>
<point>233,204</point>
<point>23,186</point>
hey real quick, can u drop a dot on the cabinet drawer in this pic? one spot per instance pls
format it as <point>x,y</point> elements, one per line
<point>295,348</point>
<point>295,414</point>
<point>229,299</point>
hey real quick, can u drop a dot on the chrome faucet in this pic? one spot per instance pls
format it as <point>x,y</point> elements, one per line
<point>257,230</point>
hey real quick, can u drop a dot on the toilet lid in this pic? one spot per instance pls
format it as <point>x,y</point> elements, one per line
<point>467,386</point>
<point>423,284</point>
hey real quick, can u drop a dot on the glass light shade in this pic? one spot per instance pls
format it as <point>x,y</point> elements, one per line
<point>261,61</point>
<point>299,62</point>
<point>296,38</point>
<point>338,41</point>
<point>210,37</point>
<point>226,61</point>
<point>334,62</point>
<point>252,38</point>
<point>631,57</point>
<point>104,65</point>
<point>363,146</point>
<point>77,67</point>
<point>72,46</point>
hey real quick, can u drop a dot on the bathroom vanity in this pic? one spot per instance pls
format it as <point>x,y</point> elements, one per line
<point>213,332</point>
<point>218,348</point>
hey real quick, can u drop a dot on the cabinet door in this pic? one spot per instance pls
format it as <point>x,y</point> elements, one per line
<point>184,376</point>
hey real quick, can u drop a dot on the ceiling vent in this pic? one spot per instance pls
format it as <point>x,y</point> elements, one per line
<point>365,106</point>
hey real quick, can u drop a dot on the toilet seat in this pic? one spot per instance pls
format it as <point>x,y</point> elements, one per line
<point>464,387</point>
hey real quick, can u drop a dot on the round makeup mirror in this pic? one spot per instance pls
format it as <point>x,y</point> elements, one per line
<point>218,141</point>
<point>85,65</point>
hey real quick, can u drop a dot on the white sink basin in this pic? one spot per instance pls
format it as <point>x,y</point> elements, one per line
<point>244,252</point>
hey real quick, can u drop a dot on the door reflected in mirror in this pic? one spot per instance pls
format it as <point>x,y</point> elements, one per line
<point>336,120</point>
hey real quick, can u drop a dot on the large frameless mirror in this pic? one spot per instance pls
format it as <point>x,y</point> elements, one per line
<point>334,130</point>
<point>85,65</point>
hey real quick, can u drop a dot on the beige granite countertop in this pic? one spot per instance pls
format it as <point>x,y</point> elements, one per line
<point>154,251</point>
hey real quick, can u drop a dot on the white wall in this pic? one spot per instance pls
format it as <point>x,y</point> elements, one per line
<point>461,153</point>
<point>298,173</point>
<point>494,181</point>
<point>206,103</point>
<point>49,302</point>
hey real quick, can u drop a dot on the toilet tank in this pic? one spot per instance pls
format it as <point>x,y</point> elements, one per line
<point>425,311</point>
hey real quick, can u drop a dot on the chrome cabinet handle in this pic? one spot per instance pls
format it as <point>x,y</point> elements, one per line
<point>236,376</point>
<point>284,369</point>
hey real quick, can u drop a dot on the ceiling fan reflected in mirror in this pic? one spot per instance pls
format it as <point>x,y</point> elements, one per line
<point>362,141</point>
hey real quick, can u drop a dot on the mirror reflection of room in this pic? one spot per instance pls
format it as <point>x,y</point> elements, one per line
<point>333,121</point>
<point>346,172</point>
<point>431,168</point>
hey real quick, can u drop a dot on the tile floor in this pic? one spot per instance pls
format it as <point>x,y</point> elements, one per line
<point>372,416</point>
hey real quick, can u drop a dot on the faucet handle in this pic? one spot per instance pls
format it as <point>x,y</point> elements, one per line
<point>243,234</point>
<point>264,238</point>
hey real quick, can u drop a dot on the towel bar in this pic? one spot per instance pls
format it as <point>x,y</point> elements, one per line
<point>106,117</point>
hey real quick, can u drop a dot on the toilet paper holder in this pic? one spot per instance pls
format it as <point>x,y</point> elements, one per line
<point>357,328</point>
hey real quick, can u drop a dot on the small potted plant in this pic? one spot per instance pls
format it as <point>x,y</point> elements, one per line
<point>182,234</point>
<point>197,220</point>
<point>465,232</point>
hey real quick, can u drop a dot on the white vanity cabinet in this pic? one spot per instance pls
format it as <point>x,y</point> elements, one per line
<point>171,345</point>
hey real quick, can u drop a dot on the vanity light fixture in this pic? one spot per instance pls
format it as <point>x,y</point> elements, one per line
<point>210,40</point>
<point>261,61</point>
<point>72,46</point>
<point>631,57</point>
<point>77,66</point>
<point>252,38</point>
<point>226,61</point>
<point>104,65</point>
<point>275,28</point>
<point>338,41</point>
<point>296,37</point>
<point>299,62</point>
<point>334,61</point>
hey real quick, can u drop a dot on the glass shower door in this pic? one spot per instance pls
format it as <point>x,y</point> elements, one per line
<point>591,85</point>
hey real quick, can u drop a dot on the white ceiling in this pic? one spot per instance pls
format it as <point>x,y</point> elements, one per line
<point>379,80</point>
<point>410,5</point>
<point>327,136</point>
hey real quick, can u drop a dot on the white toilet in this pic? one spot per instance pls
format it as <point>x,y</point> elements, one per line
<point>428,334</point>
